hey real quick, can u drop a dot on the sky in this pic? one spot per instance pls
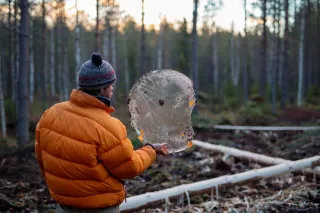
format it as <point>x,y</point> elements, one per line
<point>174,10</point>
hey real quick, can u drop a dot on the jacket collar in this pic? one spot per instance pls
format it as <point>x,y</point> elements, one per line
<point>83,99</point>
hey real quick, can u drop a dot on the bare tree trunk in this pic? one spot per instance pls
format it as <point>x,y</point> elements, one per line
<point>77,44</point>
<point>2,109</point>
<point>237,61</point>
<point>245,69</point>
<point>114,56</point>
<point>15,62</point>
<point>285,55</point>
<point>274,68</point>
<point>106,48</point>
<point>308,47</point>
<point>12,64</point>
<point>263,69</point>
<point>279,47</point>
<point>31,74</point>
<point>281,61</point>
<point>270,60</point>
<point>317,77</point>
<point>47,63</point>
<point>60,52</point>
<point>114,47</point>
<point>142,64</point>
<point>301,56</point>
<point>52,65</point>
<point>160,47</point>
<point>10,68</point>
<point>44,64</point>
<point>231,54</point>
<point>195,50</point>
<point>109,41</point>
<point>126,64</point>
<point>65,73</point>
<point>23,121</point>
<point>215,60</point>
<point>65,62</point>
<point>97,48</point>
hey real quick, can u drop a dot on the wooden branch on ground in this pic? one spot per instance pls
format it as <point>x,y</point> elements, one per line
<point>267,128</point>
<point>147,199</point>
<point>254,157</point>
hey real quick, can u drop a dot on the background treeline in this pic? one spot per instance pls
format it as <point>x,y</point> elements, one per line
<point>275,60</point>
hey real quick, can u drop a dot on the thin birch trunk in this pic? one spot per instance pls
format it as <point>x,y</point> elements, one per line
<point>13,75</point>
<point>281,63</point>
<point>194,59</point>
<point>238,61</point>
<point>245,69</point>
<point>142,42</point>
<point>114,56</point>
<point>31,74</point>
<point>97,41</point>
<point>10,68</point>
<point>114,47</point>
<point>301,57</point>
<point>270,62</point>
<point>126,64</point>
<point>52,64</point>
<point>106,49</point>
<point>77,44</point>
<point>23,120</point>
<point>61,56</point>
<point>285,74</point>
<point>231,54</point>
<point>317,77</point>
<point>275,66</point>
<point>2,109</point>
<point>160,47</point>
<point>47,68</point>
<point>279,47</point>
<point>263,67</point>
<point>15,59</point>
<point>44,62</point>
<point>65,62</point>
<point>215,60</point>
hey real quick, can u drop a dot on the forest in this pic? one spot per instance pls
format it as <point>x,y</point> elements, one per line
<point>257,92</point>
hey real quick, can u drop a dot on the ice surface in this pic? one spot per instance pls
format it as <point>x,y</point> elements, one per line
<point>160,104</point>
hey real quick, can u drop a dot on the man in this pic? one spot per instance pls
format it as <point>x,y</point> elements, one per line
<point>83,151</point>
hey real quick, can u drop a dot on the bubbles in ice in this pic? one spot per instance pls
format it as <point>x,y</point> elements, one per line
<point>161,103</point>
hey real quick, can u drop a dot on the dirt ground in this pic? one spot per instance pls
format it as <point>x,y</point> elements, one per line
<point>288,193</point>
<point>22,189</point>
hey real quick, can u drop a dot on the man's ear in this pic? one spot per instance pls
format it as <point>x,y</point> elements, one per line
<point>103,89</point>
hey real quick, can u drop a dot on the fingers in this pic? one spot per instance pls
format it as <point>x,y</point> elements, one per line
<point>164,148</point>
<point>164,151</point>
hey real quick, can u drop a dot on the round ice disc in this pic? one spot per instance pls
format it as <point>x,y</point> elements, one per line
<point>160,104</point>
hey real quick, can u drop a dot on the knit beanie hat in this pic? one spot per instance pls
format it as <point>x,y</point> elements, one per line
<point>96,73</point>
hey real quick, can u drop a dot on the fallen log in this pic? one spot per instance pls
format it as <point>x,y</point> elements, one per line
<point>254,157</point>
<point>267,128</point>
<point>147,199</point>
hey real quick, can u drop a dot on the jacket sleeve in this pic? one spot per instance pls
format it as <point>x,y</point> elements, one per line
<point>124,162</point>
<point>38,148</point>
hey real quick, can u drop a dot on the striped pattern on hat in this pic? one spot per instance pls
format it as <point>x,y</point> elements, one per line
<point>96,73</point>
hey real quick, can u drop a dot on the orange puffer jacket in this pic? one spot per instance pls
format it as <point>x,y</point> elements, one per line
<point>84,153</point>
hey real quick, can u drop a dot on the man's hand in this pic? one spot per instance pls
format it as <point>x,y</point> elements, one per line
<point>160,149</point>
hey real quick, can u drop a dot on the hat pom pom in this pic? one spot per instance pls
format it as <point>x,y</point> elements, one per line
<point>96,59</point>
